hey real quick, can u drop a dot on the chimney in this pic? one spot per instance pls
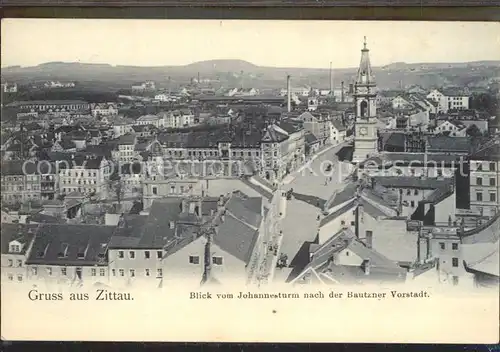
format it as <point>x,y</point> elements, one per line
<point>366,266</point>
<point>369,239</point>
<point>172,224</point>
<point>289,94</point>
<point>331,79</point>
<point>342,91</point>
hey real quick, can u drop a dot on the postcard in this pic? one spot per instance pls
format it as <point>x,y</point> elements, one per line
<point>250,181</point>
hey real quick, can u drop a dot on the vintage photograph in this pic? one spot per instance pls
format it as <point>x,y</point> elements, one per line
<point>158,154</point>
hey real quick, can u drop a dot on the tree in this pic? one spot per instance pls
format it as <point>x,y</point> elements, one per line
<point>473,131</point>
<point>116,186</point>
<point>485,102</point>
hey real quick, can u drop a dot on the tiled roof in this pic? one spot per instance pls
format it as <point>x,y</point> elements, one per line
<point>70,245</point>
<point>234,235</point>
<point>20,167</point>
<point>486,233</point>
<point>332,216</point>
<point>342,196</point>
<point>148,118</point>
<point>454,92</point>
<point>157,232</point>
<point>388,160</point>
<point>323,264</point>
<point>488,151</point>
<point>446,143</point>
<point>245,209</point>
<point>47,102</point>
<point>396,140</point>
<point>128,232</point>
<point>126,139</point>
<point>289,127</point>
<point>310,138</point>
<point>338,125</point>
<point>412,182</point>
<point>45,219</point>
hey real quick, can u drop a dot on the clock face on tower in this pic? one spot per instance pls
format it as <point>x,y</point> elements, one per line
<point>363,131</point>
<point>362,90</point>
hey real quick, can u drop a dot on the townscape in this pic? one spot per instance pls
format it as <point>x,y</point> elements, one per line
<point>339,185</point>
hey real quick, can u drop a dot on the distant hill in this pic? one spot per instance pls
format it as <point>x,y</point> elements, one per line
<point>221,66</point>
<point>231,73</point>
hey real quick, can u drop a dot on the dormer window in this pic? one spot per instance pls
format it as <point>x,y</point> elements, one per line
<point>15,248</point>
<point>81,254</point>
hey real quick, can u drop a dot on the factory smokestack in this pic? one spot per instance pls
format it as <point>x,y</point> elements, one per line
<point>331,80</point>
<point>289,94</point>
<point>342,91</point>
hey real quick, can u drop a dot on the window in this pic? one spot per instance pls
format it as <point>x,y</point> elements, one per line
<point>19,278</point>
<point>442,245</point>
<point>408,192</point>
<point>479,196</point>
<point>342,222</point>
<point>159,254</point>
<point>102,271</point>
<point>194,259</point>
<point>412,203</point>
<point>121,254</point>
<point>416,192</point>
<point>147,272</point>
<point>159,273</point>
<point>479,181</point>
<point>155,190</point>
<point>454,262</point>
<point>455,280</point>
<point>49,271</point>
<point>353,223</point>
<point>492,181</point>
<point>11,277</point>
<point>19,263</point>
<point>122,272</point>
<point>93,272</point>
<point>493,197</point>
<point>11,262</point>
<point>217,260</point>
<point>131,254</point>
<point>147,254</point>
<point>113,271</point>
<point>132,273</point>
<point>492,166</point>
<point>64,271</point>
<point>454,246</point>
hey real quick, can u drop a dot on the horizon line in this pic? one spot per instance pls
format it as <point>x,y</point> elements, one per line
<point>248,62</point>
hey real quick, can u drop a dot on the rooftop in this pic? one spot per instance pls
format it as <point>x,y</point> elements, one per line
<point>64,244</point>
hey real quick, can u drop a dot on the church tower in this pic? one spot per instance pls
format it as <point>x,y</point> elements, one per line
<point>365,135</point>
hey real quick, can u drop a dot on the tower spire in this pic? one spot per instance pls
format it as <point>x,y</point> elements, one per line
<point>365,75</point>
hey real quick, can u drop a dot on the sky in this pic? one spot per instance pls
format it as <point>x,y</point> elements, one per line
<point>311,44</point>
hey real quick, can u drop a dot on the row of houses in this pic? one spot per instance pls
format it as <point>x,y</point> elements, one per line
<point>191,240</point>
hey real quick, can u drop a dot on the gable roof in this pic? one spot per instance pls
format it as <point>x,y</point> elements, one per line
<point>323,266</point>
<point>83,244</point>
<point>239,231</point>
